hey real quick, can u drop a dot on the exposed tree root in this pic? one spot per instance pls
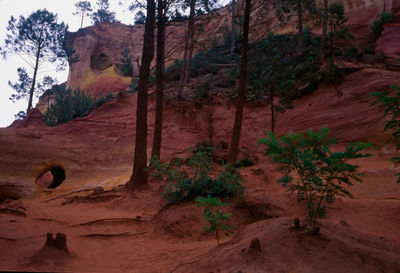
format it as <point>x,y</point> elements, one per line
<point>16,212</point>
<point>113,221</point>
<point>108,235</point>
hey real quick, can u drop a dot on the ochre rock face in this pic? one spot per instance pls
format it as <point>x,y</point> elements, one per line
<point>98,150</point>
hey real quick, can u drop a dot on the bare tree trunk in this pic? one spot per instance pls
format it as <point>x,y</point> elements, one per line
<point>272,110</point>
<point>324,28</point>
<point>155,153</point>
<point>139,174</point>
<point>237,126</point>
<point>33,80</point>
<point>183,67</point>
<point>300,25</point>
<point>192,19</point>
<point>83,13</point>
<point>233,37</point>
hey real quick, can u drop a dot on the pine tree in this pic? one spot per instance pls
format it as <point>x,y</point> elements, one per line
<point>139,175</point>
<point>237,126</point>
<point>103,13</point>
<point>40,37</point>
<point>126,63</point>
<point>83,8</point>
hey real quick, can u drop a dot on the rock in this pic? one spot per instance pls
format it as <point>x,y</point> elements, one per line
<point>389,41</point>
<point>45,180</point>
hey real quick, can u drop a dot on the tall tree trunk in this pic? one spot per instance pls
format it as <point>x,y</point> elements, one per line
<point>34,80</point>
<point>155,153</point>
<point>237,126</point>
<point>192,19</point>
<point>83,13</point>
<point>324,28</point>
<point>139,174</point>
<point>271,102</point>
<point>233,37</point>
<point>183,66</point>
<point>300,25</point>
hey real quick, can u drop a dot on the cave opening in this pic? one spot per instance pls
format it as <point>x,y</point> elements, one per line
<point>51,178</point>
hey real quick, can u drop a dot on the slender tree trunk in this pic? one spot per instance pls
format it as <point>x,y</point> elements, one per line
<point>237,126</point>
<point>183,67</point>
<point>300,24</point>
<point>271,102</point>
<point>192,19</point>
<point>82,18</point>
<point>324,28</point>
<point>32,90</point>
<point>155,153</point>
<point>139,174</point>
<point>233,37</point>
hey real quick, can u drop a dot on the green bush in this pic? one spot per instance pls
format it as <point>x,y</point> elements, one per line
<point>67,106</point>
<point>172,73</point>
<point>70,104</point>
<point>322,174</point>
<point>351,52</point>
<point>218,222</point>
<point>377,26</point>
<point>180,186</point>
<point>391,105</point>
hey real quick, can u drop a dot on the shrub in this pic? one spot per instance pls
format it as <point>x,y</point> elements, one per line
<point>180,186</point>
<point>377,25</point>
<point>351,52</point>
<point>321,173</point>
<point>218,222</point>
<point>391,104</point>
<point>70,104</point>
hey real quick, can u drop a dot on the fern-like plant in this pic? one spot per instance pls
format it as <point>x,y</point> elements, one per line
<point>322,174</point>
<point>217,220</point>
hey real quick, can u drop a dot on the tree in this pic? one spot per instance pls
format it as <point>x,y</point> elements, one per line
<point>233,27</point>
<point>103,13</point>
<point>301,6</point>
<point>391,105</point>
<point>126,63</point>
<point>25,82</point>
<point>139,175</point>
<point>83,8</point>
<point>322,174</point>
<point>324,27</point>
<point>237,126</point>
<point>38,38</point>
<point>140,18</point>
<point>218,222</point>
<point>156,149</point>
<point>271,73</point>
<point>194,5</point>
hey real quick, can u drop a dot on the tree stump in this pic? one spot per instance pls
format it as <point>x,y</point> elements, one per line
<point>60,242</point>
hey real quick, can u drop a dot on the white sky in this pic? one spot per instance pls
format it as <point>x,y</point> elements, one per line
<point>8,67</point>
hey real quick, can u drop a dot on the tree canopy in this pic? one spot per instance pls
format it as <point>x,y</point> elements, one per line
<point>38,38</point>
<point>103,13</point>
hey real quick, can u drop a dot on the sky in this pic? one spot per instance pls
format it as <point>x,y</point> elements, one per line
<point>8,67</point>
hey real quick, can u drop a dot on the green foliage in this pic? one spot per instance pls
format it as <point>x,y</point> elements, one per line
<point>322,174</point>
<point>20,115</point>
<point>218,222</point>
<point>126,63</point>
<point>180,186</point>
<point>391,105</point>
<point>83,8</point>
<point>70,104</point>
<point>140,18</point>
<point>103,13</point>
<point>133,87</point>
<point>172,73</point>
<point>337,30</point>
<point>377,25</point>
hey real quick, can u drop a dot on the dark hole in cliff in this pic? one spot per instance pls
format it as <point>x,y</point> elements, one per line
<point>100,62</point>
<point>52,178</point>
